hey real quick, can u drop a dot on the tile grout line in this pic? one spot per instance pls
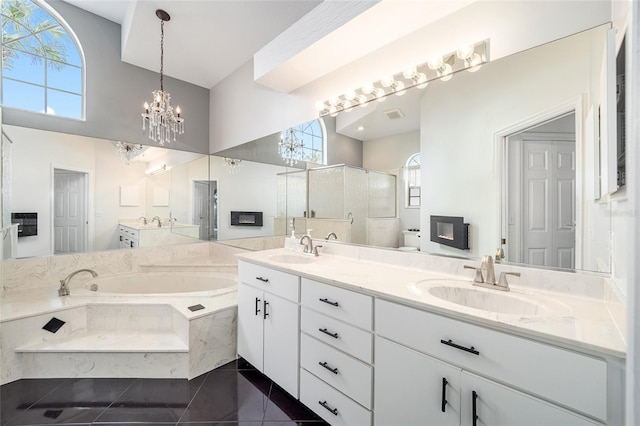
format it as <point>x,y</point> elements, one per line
<point>194,397</point>
<point>36,401</point>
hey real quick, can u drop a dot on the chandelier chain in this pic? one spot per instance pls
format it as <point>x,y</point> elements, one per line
<point>161,55</point>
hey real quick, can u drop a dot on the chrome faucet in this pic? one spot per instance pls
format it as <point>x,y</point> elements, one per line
<point>158,219</point>
<point>144,220</point>
<point>64,284</point>
<point>308,244</point>
<point>487,263</point>
<point>331,234</point>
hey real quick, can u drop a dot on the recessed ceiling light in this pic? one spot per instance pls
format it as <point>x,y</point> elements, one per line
<point>360,128</point>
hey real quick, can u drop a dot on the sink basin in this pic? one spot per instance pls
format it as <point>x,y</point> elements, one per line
<point>463,293</point>
<point>292,258</point>
<point>488,300</point>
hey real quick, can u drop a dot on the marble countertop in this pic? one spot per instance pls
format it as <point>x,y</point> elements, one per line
<point>139,226</point>
<point>571,321</point>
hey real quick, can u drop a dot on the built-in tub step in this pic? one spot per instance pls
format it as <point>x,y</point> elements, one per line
<point>107,353</point>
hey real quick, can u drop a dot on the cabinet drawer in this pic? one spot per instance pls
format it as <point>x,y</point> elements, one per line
<point>347,374</point>
<point>345,305</point>
<point>345,337</point>
<point>569,378</point>
<point>330,404</point>
<point>275,282</point>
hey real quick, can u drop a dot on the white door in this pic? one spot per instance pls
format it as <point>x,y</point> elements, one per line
<point>496,405</point>
<point>201,208</point>
<point>70,211</point>
<point>250,325</point>
<point>281,337</point>
<point>548,188</point>
<point>414,389</point>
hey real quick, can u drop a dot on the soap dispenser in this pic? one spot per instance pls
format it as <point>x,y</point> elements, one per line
<point>293,242</point>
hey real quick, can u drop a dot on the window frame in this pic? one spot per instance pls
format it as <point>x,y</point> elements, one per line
<point>45,86</point>
<point>412,192</point>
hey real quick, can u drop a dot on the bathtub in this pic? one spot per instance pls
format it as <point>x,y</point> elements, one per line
<point>188,284</point>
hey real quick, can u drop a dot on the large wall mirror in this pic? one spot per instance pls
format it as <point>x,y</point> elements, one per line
<point>476,137</point>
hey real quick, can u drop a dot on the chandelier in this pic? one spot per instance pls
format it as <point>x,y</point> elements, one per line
<point>290,147</point>
<point>127,151</point>
<point>164,123</point>
<point>233,164</point>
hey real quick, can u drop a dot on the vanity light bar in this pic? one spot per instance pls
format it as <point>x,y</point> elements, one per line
<point>470,57</point>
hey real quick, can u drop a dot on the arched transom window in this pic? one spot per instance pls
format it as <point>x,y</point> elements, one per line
<point>42,63</point>
<point>312,141</point>
<point>412,179</point>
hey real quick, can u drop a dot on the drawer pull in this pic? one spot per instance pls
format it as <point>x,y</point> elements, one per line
<point>444,394</point>
<point>325,365</point>
<point>329,302</point>
<point>328,333</point>
<point>257,306</point>
<point>264,309</point>
<point>264,280</point>
<point>333,411</point>
<point>474,412</point>
<point>462,348</point>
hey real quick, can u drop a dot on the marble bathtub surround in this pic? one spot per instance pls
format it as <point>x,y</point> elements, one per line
<point>41,274</point>
<point>584,321</point>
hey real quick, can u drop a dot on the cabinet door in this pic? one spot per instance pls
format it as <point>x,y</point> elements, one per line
<point>250,324</point>
<point>409,388</point>
<point>281,342</point>
<point>496,405</point>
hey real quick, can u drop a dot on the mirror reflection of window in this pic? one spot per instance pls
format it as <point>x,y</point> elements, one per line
<point>412,179</point>
<point>42,65</point>
<point>313,137</point>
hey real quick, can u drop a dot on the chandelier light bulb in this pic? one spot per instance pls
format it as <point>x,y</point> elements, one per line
<point>465,52</point>
<point>368,88</point>
<point>435,63</point>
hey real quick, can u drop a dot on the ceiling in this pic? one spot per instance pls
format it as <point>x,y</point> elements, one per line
<point>205,40</point>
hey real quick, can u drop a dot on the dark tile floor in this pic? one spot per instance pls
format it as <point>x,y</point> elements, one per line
<point>234,394</point>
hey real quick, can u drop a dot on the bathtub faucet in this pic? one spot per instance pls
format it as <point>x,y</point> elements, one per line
<point>64,284</point>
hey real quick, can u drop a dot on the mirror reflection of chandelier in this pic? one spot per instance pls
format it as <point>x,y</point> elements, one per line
<point>290,147</point>
<point>233,164</point>
<point>164,123</point>
<point>127,151</point>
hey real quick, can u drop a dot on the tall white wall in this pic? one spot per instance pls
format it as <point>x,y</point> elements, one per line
<point>461,117</point>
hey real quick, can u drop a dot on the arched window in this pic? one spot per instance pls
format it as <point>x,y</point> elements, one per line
<point>42,63</point>
<point>312,141</point>
<point>412,179</point>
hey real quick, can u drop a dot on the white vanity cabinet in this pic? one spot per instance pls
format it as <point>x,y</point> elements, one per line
<point>269,323</point>
<point>129,237</point>
<point>483,369</point>
<point>336,375</point>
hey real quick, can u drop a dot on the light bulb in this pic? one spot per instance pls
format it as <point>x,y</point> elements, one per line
<point>379,95</point>
<point>399,88</point>
<point>435,63</point>
<point>362,100</point>
<point>320,105</point>
<point>346,105</point>
<point>333,100</point>
<point>465,52</point>
<point>473,63</point>
<point>445,72</point>
<point>333,111</point>
<point>409,72</point>
<point>421,81</point>
<point>146,106</point>
<point>350,95</point>
<point>368,88</point>
<point>387,81</point>
<point>178,110</point>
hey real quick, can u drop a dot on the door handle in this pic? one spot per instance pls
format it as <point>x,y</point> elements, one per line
<point>444,394</point>
<point>328,333</point>
<point>257,306</point>
<point>265,314</point>
<point>474,410</point>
